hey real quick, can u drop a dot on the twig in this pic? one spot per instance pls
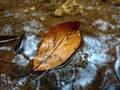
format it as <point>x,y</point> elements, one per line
<point>6,61</point>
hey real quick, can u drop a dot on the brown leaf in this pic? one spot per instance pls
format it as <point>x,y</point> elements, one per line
<point>57,46</point>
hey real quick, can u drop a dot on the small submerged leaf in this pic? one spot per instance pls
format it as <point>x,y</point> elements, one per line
<point>57,46</point>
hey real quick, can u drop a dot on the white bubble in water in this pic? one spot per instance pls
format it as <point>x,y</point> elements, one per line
<point>117,63</point>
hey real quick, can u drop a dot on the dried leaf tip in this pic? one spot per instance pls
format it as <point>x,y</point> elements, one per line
<point>70,25</point>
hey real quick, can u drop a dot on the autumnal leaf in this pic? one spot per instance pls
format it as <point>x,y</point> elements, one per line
<point>57,46</point>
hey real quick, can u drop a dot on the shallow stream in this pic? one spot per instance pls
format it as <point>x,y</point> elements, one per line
<point>94,66</point>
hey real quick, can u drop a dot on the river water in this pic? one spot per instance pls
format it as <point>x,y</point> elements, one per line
<point>94,66</point>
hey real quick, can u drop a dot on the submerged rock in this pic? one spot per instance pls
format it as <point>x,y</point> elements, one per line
<point>69,7</point>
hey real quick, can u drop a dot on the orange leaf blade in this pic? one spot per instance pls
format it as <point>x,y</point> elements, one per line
<point>57,46</point>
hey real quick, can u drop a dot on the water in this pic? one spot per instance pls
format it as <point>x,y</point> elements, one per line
<point>95,65</point>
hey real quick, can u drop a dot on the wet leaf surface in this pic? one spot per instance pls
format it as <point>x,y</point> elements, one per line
<point>94,66</point>
<point>58,45</point>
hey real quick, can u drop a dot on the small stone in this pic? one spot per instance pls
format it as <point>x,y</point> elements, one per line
<point>26,10</point>
<point>42,18</point>
<point>32,8</point>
